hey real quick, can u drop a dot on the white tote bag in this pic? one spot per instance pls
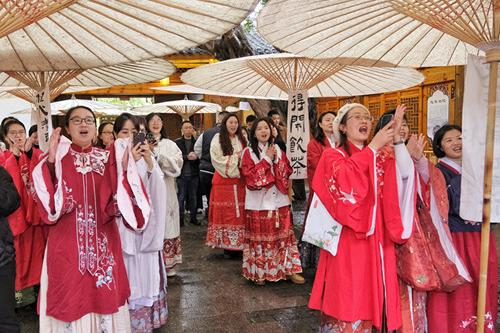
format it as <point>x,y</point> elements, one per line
<point>321,228</point>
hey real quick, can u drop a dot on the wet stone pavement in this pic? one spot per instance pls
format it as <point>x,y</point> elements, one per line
<point>210,295</point>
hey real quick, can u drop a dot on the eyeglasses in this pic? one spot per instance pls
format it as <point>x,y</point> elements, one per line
<point>14,133</point>
<point>359,117</point>
<point>78,120</point>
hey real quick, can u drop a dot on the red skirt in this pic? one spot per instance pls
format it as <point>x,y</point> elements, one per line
<point>270,250</point>
<point>456,311</point>
<point>226,216</point>
<point>30,248</point>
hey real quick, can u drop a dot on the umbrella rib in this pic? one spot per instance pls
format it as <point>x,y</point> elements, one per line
<point>57,42</point>
<point>123,36</point>
<point>200,13</point>
<point>75,40</point>
<point>15,51</point>
<point>96,37</point>
<point>132,4</point>
<point>305,18</point>
<point>38,48</point>
<point>149,23</point>
<point>385,24</point>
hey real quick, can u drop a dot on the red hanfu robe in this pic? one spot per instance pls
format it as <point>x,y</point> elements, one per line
<point>360,192</point>
<point>29,235</point>
<point>270,249</point>
<point>80,198</point>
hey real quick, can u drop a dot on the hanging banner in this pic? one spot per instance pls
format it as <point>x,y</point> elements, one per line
<point>437,112</point>
<point>298,133</point>
<point>43,117</point>
<point>474,116</point>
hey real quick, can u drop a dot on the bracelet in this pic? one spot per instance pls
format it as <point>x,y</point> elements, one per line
<point>398,142</point>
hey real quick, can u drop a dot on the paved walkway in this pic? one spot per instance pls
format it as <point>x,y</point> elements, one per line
<point>210,295</point>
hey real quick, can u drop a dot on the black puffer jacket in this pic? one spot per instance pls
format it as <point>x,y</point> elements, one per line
<point>9,201</point>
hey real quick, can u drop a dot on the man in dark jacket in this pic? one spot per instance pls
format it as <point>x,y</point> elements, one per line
<point>187,182</point>
<point>9,202</point>
<point>202,150</point>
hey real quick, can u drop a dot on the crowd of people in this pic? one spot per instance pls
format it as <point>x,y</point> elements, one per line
<point>95,221</point>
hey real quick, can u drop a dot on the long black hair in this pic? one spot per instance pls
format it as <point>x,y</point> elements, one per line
<point>385,119</point>
<point>320,134</point>
<point>122,119</point>
<point>438,137</point>
<point>254,143</point>
<point>163,132</point>
<point>225,141</point>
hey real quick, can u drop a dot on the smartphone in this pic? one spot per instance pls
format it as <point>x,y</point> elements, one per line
<point>139,137</point>
<point>151,138</point>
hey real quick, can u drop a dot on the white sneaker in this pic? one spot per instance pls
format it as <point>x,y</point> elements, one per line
<point>171,272</point>
<point>199,211</point>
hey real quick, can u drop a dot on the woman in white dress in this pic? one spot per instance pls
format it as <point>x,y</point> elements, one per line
<point>142,252</point>
<point>169,158</point>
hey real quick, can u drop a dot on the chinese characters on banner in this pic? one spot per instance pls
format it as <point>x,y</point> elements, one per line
<point>298,133</point>
<point>43,117</point>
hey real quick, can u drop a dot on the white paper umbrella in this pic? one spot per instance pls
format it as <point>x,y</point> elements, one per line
<point>274,75</point>
<point>374,29</point>
<point>96,33</point>
<point>188,89</point>
<point>280,76</point>
<point>46,85</point>
<point>184,107</point>
<point>100,108</point>
<point>17,14</point>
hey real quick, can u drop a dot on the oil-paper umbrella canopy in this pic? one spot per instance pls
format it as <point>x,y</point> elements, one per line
<point>97,33</point>
<point>46,85</point>
<point>77,80</point>
<point>274,76</point>
<point>15,14</point>
<point>381,30</point>
<point>188,89</point>
<point>286,76</point>
<point>100,108</point>
<point>184,107</point>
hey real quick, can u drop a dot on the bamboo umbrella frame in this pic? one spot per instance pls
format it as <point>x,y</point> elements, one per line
<point>184,108</point>
<point>16,14</point>
<point>474,23</point>
<point>274,76</point>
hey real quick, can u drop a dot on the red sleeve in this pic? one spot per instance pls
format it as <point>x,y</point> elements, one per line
<point>17,220</point>
<point>314,151</point>
<point>109,206</point>
<point>282,172</point>
<point>257,176</point>
<point>345,186</point>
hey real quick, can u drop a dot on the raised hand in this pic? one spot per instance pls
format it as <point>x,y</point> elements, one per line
<point>398,121</point>
<point>54,139</point>
<point>271,152</point>
<point>383,137</point>
<point>136,152</point>
<point>416,146</point>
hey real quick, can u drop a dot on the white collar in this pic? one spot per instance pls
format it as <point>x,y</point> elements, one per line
<point>453,163</point>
